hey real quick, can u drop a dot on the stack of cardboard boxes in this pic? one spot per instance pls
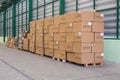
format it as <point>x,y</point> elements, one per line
<point>60,37</point>
<point>11,42</point>
<point>77,37</point>
<point>39,37</point>
<point>84,41</point>
<point>32,36</point>
<point>48,36</point>
<point>26,42</point>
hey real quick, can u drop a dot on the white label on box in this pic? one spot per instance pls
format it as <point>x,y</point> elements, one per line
<point>102,15</point>
<point>101,34</point>
<point>51,34</point>
<point>79,33</point>
<point>57,42</point>
<point>41,34</point>
<point>102,54</point>
<point>70,24</point>
<point>90,24</point>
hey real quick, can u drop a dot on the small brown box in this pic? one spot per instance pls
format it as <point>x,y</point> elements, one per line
<point>59,45</point>
<point>84,58</point>
<point>98,27</point>
<point>99,37</point>
<point>82,26</point>
<point>59,37</point>
<point>71,56</point>
<point>82,47</point>
<point>98,47</point>
<point>84,37</point>
<point>99,57</point>
<point>72,17</point>
<point>99,17</point>
<point>59,19</point>
<point>60,54</point>
<point>87,15</point>
<point>49,52</point>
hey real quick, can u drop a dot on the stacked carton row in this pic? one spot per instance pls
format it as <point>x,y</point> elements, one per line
<point>76,37</point>
<point>32,36</point>
<point>39,37</point>
<point>26,42</point>
<point>11,42</point>
<point>84,37</point>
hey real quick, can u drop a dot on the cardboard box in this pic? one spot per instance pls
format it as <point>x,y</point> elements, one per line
<point>40,50</point>
<point>99,37</point>
<point>56,28</point>
<point>59,37</point>
<point>60,54</point>
<point>84,58</point>
<point>59,19</point>
<point>82,47</point>
<point>26,44</point>
<point>49,52</point>
<point>69,47</point>
<point>87,15</point>
<point>73,17</point>
<point>80,16</point>
<point>71,56</point>
<point>69,27</point>
<point>99,17</point>
<point>98,27</point>
<point>99,57</point>
<point>60,45</point>
<point>70,37</point>
<point>62,27</point>
<point>98,47</point>
<point>84,37</point>
<point>82,26</point>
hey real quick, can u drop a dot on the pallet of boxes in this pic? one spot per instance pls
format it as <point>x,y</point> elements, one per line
<point>11,42</point>
<point>85,37</point>
<point>26,42</point>
<point>21,40</point>
<point>77,37</point>
<point>32,36</point>
<point>39,47</point>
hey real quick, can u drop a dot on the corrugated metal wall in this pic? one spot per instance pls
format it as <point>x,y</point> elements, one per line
<point>1,24</point>
<point>48,8</point>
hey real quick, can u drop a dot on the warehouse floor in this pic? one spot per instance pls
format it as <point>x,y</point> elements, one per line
<point>20,65</point>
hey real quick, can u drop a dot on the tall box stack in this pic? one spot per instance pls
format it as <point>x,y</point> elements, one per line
<point>84,38</point>
<point>98,30</point>
<point>39,37</point>
<point>48,36</point>
<point>60,37</point>
<point>32,36</point>
<point>26,41</point>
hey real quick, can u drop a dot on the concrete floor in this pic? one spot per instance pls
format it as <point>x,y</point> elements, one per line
<point>20,65</point>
